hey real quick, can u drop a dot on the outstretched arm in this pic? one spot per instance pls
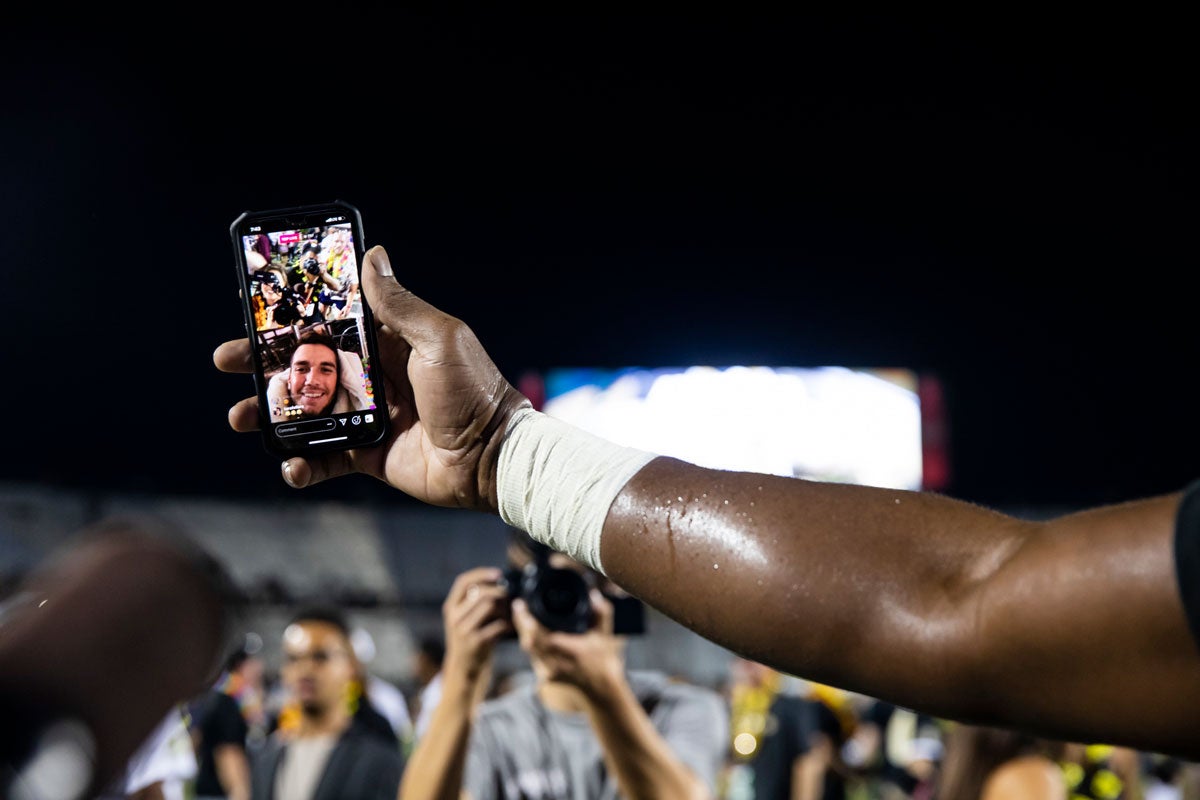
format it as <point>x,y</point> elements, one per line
<point>1071,628</point>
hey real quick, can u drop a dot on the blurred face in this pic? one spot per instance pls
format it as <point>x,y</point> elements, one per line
<point>318,665</point>
<point>313,381</point>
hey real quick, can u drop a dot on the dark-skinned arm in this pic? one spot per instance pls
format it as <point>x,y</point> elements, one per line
<point>1072,628</point>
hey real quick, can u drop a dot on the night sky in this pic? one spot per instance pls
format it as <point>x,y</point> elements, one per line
<point>1006,203</point>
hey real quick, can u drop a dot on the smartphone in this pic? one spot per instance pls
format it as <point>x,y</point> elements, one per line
<point>312,334</point>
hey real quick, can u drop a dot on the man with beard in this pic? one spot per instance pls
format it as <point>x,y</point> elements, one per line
<point>321,379</point>
<point>324,753</point>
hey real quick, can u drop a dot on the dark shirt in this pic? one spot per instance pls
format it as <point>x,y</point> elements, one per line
<point>216,720</point>
<point>791,724</point>
<point>361,767</point>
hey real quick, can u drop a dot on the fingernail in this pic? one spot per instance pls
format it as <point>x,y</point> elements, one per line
<point>287,475</point>
<point>382,264</point>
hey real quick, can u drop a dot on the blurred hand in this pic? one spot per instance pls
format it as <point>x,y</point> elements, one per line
<point>590,660</point>
<point>474,617</point>
<point>448,403</point>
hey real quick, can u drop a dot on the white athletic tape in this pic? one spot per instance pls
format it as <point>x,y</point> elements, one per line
<point>556,482</point>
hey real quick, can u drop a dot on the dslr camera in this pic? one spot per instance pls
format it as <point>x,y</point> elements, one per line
<point>558,598</point>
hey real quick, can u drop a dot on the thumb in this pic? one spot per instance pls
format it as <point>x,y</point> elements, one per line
<point>392,304</point>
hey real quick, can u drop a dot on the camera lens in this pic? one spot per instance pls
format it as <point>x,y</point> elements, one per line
<point>558,598</point>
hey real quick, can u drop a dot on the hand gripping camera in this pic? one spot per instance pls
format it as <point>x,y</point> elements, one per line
<point>558,597</point>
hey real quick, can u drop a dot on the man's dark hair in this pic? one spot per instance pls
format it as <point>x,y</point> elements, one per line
<point>318,338</point>
<point>535,550</point>
<point>331,615</point>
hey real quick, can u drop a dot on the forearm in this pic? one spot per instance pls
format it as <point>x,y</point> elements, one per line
<point>434,770</point>
<point>233,771</point>
<point>634,751</point>
<point>917,598</point>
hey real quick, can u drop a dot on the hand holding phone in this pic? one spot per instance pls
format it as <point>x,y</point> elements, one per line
<point>312,333</point>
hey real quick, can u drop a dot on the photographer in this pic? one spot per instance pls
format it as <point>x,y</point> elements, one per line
<point>584,728</point>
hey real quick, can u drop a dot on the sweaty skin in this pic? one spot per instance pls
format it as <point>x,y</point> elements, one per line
<point>1070,628</point>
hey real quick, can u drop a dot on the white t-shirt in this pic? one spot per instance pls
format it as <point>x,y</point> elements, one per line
<point>519,748</point>
<point>390,701</point>
<point>167,756</point>
<point>430,696</point>
<point>303,765</point>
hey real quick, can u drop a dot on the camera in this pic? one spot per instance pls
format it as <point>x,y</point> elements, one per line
<point>312,266</point>
<point>558,599</point>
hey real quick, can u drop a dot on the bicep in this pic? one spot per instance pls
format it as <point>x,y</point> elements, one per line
<point>1082,633</point>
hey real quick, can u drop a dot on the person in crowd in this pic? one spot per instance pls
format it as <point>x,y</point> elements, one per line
<point>427,670</point>
<point>163,768</point>
<point>986,763</point>
<point>1101,771</point>
<point>895,750</point>
<point>245,681</point>
<point>585,728</point>
<point>326,751</point>
<point>384,697</point>
<point>785,739</point>
<point>220,734</point>
<point>928,601</point>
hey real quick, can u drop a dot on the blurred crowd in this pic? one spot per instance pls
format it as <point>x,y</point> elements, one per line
<point>787,738</point>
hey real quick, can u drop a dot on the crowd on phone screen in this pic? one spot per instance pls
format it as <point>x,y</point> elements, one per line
<point>785,738</point>
<point>305,283</point>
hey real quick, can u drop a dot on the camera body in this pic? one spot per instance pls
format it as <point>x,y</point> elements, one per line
<point>558,599</point>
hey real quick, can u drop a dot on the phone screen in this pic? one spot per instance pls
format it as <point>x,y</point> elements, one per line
<point>311,331</point>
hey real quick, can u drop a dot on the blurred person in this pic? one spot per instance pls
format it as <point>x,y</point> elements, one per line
<point>788,741</point>
<point>894,750</point>
<point>585,728</point>
<point>1101,771</point>
<point>338,275</point>
<point>1169,778</point>
<point>245,681</point>
<point>385,697</point>
<point>320,379</point>
<point>99,646</point>
<point>427,669</point>
<point>870,589</point>
<point>163,768</point>
<point>220,735</point>
<point>324,750</point>
<point>984,763</point>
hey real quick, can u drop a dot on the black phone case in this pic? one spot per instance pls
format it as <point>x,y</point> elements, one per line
<point>291,215</point>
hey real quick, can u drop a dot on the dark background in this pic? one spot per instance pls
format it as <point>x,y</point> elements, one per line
<point>1005,202</point>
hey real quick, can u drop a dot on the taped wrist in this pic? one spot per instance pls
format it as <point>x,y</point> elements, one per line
<point>556,482</point>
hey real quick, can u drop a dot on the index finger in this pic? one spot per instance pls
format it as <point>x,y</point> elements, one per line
<point>463,582</point>
<point>233,356</point>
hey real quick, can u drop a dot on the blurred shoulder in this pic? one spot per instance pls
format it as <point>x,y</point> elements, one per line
<point>1029,777</point>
